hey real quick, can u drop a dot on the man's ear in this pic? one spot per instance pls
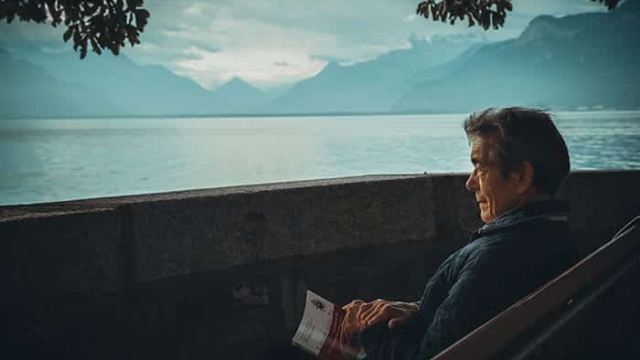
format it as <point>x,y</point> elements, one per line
<point>524,177</point>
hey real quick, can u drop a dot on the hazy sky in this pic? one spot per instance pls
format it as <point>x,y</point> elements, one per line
<point>271,42</point>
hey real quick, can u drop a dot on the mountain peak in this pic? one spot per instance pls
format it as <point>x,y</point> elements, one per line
<point>237,84</point>
<point>238,95</point>
<point>541,26</point>
<point>550,27</point>
<point>415,42</point>
<point>236,80</point>
<point>331,68</point>
<point>332,65</point>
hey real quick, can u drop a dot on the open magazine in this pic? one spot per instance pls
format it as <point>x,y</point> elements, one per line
<point>319,332</point>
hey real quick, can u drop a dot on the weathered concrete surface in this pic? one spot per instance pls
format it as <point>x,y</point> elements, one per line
<point>601,203</point>
<point>195,235</point>
<point>57,270</point>
<point>62,252</point>
<point>220,273</point>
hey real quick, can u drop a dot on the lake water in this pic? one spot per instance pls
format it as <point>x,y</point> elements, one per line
<point>54,160</point>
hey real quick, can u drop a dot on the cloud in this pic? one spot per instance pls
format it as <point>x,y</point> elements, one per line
<point>212,41</point>
<point>410,18</point>
<point>225,38</point>
<point>261,68</point>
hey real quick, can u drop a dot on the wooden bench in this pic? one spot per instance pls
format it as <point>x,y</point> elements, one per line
<point>531,328</point>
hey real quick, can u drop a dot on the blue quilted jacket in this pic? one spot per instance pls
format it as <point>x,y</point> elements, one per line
<point>504,261</point>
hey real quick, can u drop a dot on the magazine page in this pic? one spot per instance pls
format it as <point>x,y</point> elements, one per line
<point>319,332</point>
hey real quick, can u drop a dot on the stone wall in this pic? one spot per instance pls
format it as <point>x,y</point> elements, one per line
<point>221,273</point>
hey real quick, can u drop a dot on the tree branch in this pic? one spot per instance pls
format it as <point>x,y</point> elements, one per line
<point>486,13</point>
<point>102,24</point>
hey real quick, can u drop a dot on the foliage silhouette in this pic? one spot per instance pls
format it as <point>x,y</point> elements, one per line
<point>486,13</point>
<point>103,24</point>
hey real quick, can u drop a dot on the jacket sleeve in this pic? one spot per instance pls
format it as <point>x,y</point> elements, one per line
<point>465,307</point>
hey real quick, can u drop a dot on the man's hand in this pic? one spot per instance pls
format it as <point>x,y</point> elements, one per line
<point>351,325</point>
<point>396,312</point>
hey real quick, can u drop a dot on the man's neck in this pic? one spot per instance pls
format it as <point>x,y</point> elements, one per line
<point>535,195</point>
<point>530,196</point>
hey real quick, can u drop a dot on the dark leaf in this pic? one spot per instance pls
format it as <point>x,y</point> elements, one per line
<point>508,5</point>
<point>611,4</point>
<point>67,34</point>
<point>142,17</point>
<point>95,47</point>
<point>76,36</point>
<point>486,19</point>
<point>423,9</point>
<point>134,3</point>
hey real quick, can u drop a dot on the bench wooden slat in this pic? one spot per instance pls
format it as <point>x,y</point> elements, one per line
<point>491,337</point>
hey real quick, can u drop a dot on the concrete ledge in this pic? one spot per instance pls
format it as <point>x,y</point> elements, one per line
<point>201,234</point>
<point>105,243</point>
<point>601,203</point>
<point>77,252</point>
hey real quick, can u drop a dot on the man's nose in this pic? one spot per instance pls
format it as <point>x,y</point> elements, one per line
<point>472,182</point>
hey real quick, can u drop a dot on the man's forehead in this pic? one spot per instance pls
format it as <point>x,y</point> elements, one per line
<point>477,151</point>
<point>477,146</point>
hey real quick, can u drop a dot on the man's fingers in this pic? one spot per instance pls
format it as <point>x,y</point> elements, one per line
<point>373,312</point>
<point>367,314</point>
<point>354,303</point>
<point>365,309</point>
<point>389,311</point>
<point>360,314</point>
<point>369,310</point>
<point>383,312</point>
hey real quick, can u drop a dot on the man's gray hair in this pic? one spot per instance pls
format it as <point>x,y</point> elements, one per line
<point>518,134</point>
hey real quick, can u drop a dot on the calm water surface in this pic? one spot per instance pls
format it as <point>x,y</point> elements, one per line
<point>54,160</point>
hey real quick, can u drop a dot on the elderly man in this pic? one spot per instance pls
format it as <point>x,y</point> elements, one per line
<point>519,160</point>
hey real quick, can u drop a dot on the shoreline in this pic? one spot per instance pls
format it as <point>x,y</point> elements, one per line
<point>291,115</point>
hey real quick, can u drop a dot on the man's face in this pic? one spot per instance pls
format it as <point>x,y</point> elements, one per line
<point>494,194</point>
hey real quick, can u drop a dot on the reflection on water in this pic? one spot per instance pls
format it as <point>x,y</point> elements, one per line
<point>54,160</point>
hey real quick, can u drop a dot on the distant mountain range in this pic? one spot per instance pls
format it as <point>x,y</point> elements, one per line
<point>29,90</point>
<point>586,60</point>
<point>371,86</point>
<point>62,85</point>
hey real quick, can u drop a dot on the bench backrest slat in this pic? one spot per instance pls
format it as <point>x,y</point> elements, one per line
<point>491,337</point>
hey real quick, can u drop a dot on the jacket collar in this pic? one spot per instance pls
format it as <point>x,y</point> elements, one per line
<point>555,210</point>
